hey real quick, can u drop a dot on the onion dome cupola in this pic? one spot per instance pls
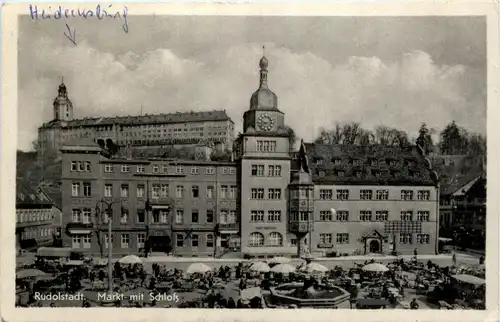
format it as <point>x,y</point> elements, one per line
<point>63,108</point>
<point>263,115</point>
<point>263,98</point>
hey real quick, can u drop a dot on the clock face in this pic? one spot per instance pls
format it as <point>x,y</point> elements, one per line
<point>265,122</point>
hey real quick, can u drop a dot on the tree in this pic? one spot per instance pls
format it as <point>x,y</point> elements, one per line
<point>292,137</point>
<point>477,145</point>
<point>452,140</point>
<point>424,139</point>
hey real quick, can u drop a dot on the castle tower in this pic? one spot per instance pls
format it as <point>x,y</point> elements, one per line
<point>63,108</point>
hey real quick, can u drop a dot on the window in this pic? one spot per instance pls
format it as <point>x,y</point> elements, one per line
<point>179,169</point>
<point>87,191</point>
<point>141,240</point>
<point>223,192</point>
<point>155,191</point>
<point>365,215</point>
<point>232,171</point>
<point>140,169</point>
<point>140,215</point>
<point>266,146</point>
<point>195,191</point>
<point>257,193</point>
<point>381,215</point>
<point>257,170</point>
<point>257,216</point>
<point>423,195</point>
<point>194,216</point>
<point>164,190</point>
<point>232,192</point>
<point>75,189</point>
<point>179,216</point>
<point>256,239</point>
<point>195,170</point>
<point>140,191</point>
<point>164,169</point>
<point>275,239</point>
<point>125,168</point>
<point>325,238</point>
<point>325,194</point>
<point>210,216</point>
<point>274,194</point>
<point>274,171</point>
<point>81,166</point>
<point>75,215</point>
<point>74,166</point>
<point>124,215</point>
<point>179,192</point>
<point>231,217</point>
<point>406,215</point>
<point>210,192</point>
<point>210,240</point>
<point>343,238</point>
<point>406,195</point>
<point>156,168</point>
<point>382,194</point>
<point>366,195</point>
<point>124,191</point>
<point>223,217</point>
<point>86,216</point>
<point>108,190</point>
<point>325,215</point>
<point>87,242</point>
<point>342,194</point>
<point>422,216</point>
<point>304,216</point>
<point>194,240</point>
<point>225,170</point>
<point>180,240</point>
<point>125,239</point>
<point>405,239</point>
<point>293,241</point>
<point>274,216</point>
<point>75,242</point>
<point>422,238</point>
<point>210,170</point>
<point>88,166</point>
<point>342,215</point>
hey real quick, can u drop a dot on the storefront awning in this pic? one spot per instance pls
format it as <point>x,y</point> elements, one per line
<point>79,232</point>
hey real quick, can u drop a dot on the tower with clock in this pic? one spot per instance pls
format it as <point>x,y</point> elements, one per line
<point>265,172</point>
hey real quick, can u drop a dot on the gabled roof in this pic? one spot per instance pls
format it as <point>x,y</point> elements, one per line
<point>54,193</point>
<point>370,165</point>
<point>26,196</point>
<point>170,118</point>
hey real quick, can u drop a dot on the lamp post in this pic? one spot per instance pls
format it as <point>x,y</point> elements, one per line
<point>109,207</point>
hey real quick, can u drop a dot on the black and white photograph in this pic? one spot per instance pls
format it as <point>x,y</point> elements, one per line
<point>259,161</point>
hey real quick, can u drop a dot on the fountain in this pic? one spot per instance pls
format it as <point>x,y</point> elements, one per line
<point>310,294</point>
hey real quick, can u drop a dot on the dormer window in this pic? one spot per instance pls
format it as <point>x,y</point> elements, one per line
<point>319,162</point>
<point>373,162</point>
<point>359,174</point>
<point>356,162</point>
<point>391,163</point>
<point>376,173</point>
<point>322,174</point>
<point>337,161</point>
<point>340,173</point>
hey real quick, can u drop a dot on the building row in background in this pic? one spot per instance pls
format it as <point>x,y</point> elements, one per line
<point>174,129</point>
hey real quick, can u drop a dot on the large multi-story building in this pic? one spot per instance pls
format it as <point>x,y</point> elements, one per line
<point>174,129</point>
<point>323,199</point>
<point>37,218</point>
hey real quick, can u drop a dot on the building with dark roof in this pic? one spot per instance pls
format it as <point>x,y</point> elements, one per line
<point>37,218</point>
<point>176,129</point>
<point>325,199</point>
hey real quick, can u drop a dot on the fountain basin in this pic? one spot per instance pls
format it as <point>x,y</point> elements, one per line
<point>322,296</point>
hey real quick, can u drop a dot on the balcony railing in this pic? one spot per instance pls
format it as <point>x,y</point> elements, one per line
<point>79,225</point>
<point>325,245</point>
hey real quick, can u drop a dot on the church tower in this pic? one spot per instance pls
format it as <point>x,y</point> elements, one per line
<point>63,108</point>
<point>265,173</point>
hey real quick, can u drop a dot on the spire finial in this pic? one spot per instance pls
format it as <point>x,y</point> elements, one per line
<point>263,50</point>
<point>62,79</point>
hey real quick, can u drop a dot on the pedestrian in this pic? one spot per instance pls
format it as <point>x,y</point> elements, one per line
<point>454,259</point>
<point>481,260</point>
<point>415,254</point>
<point>414,304</point>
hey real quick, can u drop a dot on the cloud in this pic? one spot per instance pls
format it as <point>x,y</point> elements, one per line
<point>312,92</point>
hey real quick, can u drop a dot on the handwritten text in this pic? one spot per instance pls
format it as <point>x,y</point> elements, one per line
<point>60,12</point>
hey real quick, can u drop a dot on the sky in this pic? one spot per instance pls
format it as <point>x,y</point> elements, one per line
<point>392,71</point>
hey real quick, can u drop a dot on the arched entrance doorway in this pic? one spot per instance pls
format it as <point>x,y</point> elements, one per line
<point>160,244</point>
<point>374,246</point>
